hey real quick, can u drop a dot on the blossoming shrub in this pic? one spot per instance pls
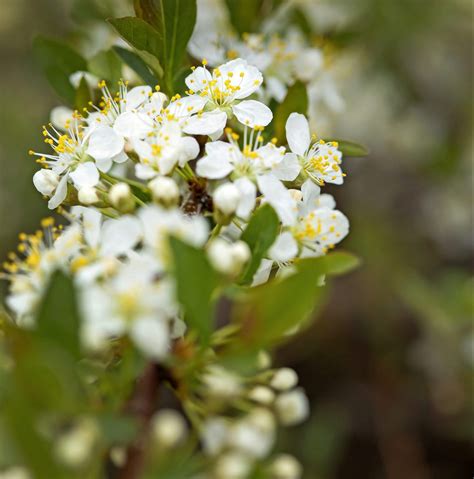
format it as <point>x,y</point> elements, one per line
<point>189,241</point>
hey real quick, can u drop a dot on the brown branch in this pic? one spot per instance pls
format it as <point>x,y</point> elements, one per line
<point>142,406</point>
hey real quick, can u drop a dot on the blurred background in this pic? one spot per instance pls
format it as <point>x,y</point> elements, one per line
<point>388,363</point>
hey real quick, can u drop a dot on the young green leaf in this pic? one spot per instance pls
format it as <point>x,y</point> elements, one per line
<point>196,282</point>
<point>106,65</point>
<point>260,234</point>
<point>174,21</point>
<point>350,148</point>
<point>144,38</point>
<point>58,62</point>
<point>136,64</point>
<point>58,318</point>
<point>296,100</point>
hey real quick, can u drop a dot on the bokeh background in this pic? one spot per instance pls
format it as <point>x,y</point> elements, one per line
<point>388,363</point>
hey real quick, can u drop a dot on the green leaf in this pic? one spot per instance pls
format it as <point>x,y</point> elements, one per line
<point>196,282</point>
<point>106,65</point>
<point>270,310</point>
<point>174,21</point>
<point>58,62</point>
<point>58,319</point>
<point>245,14</point>
<point>136,64</point>
<point>350,148</point>
<point>144,38</point>
<point>260,234</point>
<point>296,101</point>
<point>83,95</point>
<point>333,264</point>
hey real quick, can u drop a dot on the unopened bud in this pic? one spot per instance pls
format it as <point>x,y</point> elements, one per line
<point>292,407</point>
<point>286,467</point>
<point>262,395</point>
<point>88,195</point>
<point>121,198</point>
<point>15,472</point>
<point>45,181</point>
<point>232,466</point>
<point>228,258</point>
<point>284,379</point>
<point>75,447</point>
<point>168,428</point>
<point>226,199</point>
<point>165,191</point>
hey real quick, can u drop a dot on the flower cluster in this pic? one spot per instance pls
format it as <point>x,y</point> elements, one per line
<point>137,168</point>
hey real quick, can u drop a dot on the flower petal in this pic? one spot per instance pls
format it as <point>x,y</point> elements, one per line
<point>252,113</point>
<point>248,192</point>
<point>137,96</point>
<point>198,79</point>
<point>284,248</point>
<point>86,174</point>
<point>298,134</point>
<point>151,336</point>
<point>104,143</point>
<point>278,197</point>
<point>60,193</point>
<point>208,123</point>
<point>288,168</point>
<point>120,236</point>
<point>133,125</point>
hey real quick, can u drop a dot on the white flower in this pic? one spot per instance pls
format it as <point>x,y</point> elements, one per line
<point>320,161</point>
<point>292,407</point>
<point>228,258</point>
<point>316,226</point>
<point>130,302</point>
<point>159,224</point>
<point>162,149</point>
<point>77,158</point>
<point>223,92</point>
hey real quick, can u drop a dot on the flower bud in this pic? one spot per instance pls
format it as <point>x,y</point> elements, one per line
<point>292,407</point>
<point>264,360</point>
<point>226,199</point>
<point>165,191</point>
<point>262,395</point>
<point>168,428</point>
<point>232,466</point>
<point>220,382</point>
<point>228,258</point>
<point>286,467</point>
<point>75,447</point>
<point>88,195</point>
<point>45,181</point>
<point>121,198</point>
<point>284,379</point>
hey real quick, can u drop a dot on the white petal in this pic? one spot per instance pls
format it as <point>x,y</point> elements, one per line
<point>152,336</point>
<point>45,181</point>
<point>213,167</point>
<point>252,113</point>
<point>207,123</point>
<point>104,164</point>
<point>189,149</point>
<point>60,193</point>
<point>247,77</point>
<point>298,134</point>
<point>133,125</point>
<point>284,248</point>
<point>144,172</point>
<point>136,96</point>
<point>120,236</point>
<point>311,193</point>
<point>186,106</point>
<point>288,169</point>
<point>263,272</point>
<point>85,174</point>
<point>105,143</point>
<point>248,192</point>
<point>198,79</point>
<point>278,197</point>
<point>276,88</point>
<point>91,220</point>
